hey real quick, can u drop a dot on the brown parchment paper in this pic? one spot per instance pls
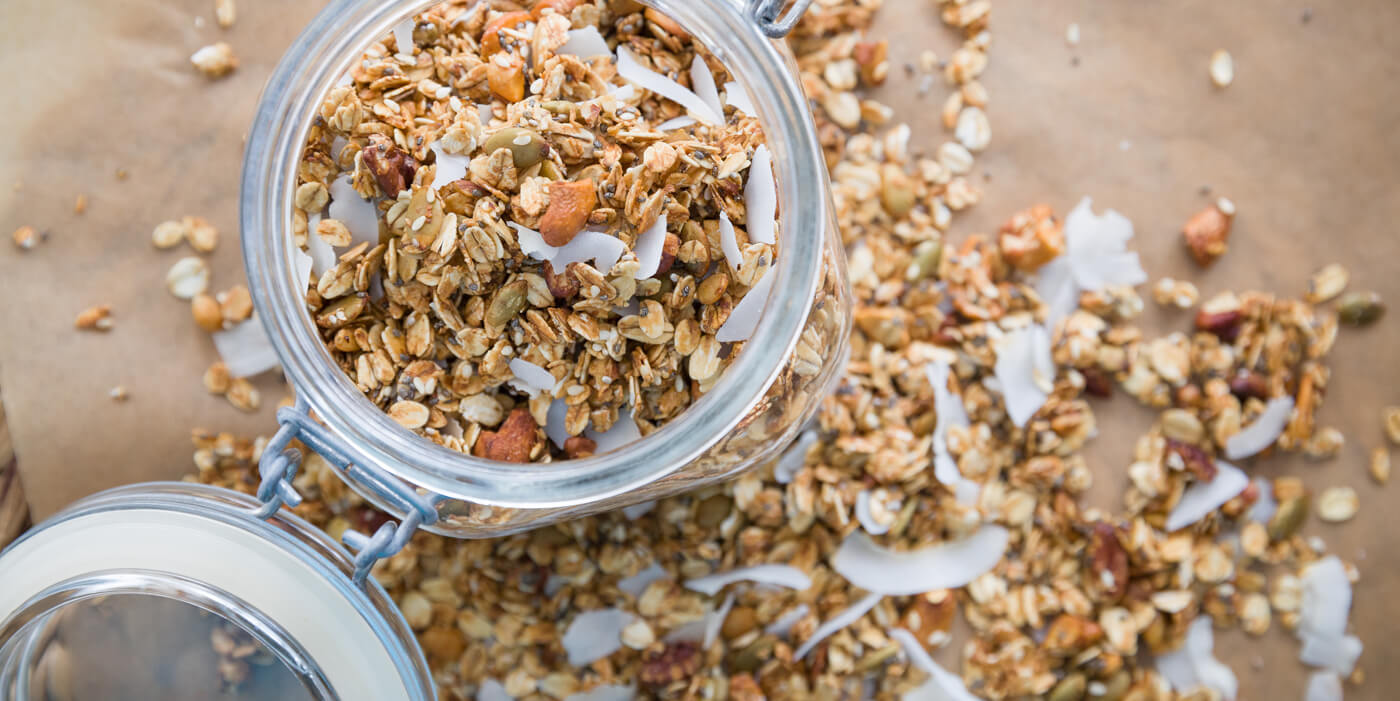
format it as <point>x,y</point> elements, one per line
<point>1306,142</point>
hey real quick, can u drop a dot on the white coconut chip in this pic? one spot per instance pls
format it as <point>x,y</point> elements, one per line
<point>532,243</point>
<point>492,690</point>
<point>1264,507</point>
<point>358,214</point>
<point>1326,598</point>
<point>638,583</point>
<point>781,575</point>
<point>403,39</point>
<point>944,566</point>
<point>302,265</point>
<point>1202,498</point>
<point>649,246</point>
<point>675,123</point>
<point>794,457</point>
<point>593,635</point>
<point>783,624</point>
<point>604,249</point>
<point>942,685</point>
<point>535,378</point>
<point>245,349</point>
<point>702,82</point>
<point>848,616</point>
<point>1194,665</point>
<point>585,43</point>
<point>638,510</point>
<point>605,692</point>
<point>485,113</point>
<point>1323,686</point>
<point>623,431</point>
<point>738,98</point>
<point>866,519</point>
<point>761,198</point>
<point>1336,653</point>
<point>1096,256</point>
<point>631,69</point>
<point>745,315</point>
<point>623,93</point>
<point>1056,287</point>
<point>1024,369</point>
<point>714,620</point>
<point>323,256</point>
<point>729,242</point>
<point>949,410</point>
<point>554,422</point>
<point>450,166</point>
<point>1263,432</point>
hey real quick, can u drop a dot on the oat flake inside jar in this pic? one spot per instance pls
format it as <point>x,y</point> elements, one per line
<point>294,614</point>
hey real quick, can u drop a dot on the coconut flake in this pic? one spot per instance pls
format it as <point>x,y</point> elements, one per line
<point>945,566</point>
<point>245,348</point>
<point>302,264</point>
<point>623,431</point>
<point>648,248</point>
<point>535,378</point>
<point>738,98</point>
<point>1202,498</point>
<point>638,583</point>
<point>942,684</point>
<point>761,198</point>
<point>1326,598</point>
<point>593,635</point>
<point>729,242</point>
<point>605,692</point>
<point>1194,665</point>
<point>622,93</point>
<point>675,123</point>
<point>358,214</point>
<point>450,166</point>
<point>1057,288</point>
<point>850,615</point>
<point>585,43</point>
<point>1337,653</point>
<point>1024,369</point>
<point>1323,686</point>
<point>403,39</point>
<point>554,422</point>
<point>1263,432</point>
<point>602,248</point>
<point>783,624</point>
<point>714,620</point>
<point>484,113</point>
<point>702,81</point>
<point>794,457</point>
<point>322,255</point>
<point>639,510</point>
<point>631,69</point>
<point>863,515</point>
<point>781,575</point>
<point>492,690</point>
<point>532,243</point>
<point>950,412</point>
<point>1097,248</point>
<point>744,317</point>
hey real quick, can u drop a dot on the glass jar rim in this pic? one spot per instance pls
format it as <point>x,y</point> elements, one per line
<point>317,58</point>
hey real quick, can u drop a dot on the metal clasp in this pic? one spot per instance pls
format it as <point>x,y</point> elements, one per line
<point>278,467</point>
<point>768,14</point>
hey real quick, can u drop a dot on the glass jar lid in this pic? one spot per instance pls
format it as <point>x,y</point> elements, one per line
<point>178,591</point>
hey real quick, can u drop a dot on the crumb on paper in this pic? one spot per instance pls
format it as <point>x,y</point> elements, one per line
<point>95,318</point>
<point>27,237</point>
<point>215,60</point>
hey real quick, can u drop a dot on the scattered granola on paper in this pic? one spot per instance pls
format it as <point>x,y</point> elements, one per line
<point>941,480</point>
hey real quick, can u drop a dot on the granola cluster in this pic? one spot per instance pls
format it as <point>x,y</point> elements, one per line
<point>510,223</point>
<point>967,402</point>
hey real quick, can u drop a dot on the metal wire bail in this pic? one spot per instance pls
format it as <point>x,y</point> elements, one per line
<point>768,14</point>
<point>278,467</point>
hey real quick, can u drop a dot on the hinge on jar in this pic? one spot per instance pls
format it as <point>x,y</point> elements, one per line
<point>768,14</point>
<point>278,467</point>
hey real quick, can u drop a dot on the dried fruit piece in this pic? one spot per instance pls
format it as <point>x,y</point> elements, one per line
<point>215,60</point>
<point>392,167</point>
<point>570,203</point>
<point>505,75</point>
<point>26,237</point>
<point>1207,234</point>
<point>95,318</point>
<point>514,442</point>
<point>1360,308</point>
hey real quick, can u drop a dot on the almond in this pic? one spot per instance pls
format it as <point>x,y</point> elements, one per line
<point>562,285</point>
<point>570,203</point>
<point>1206,234</point>
<point>513,442</point>
<point>579,447</point>
<point>391,166</point>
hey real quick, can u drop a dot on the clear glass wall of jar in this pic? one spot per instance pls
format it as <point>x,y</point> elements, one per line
<point>790,362</point>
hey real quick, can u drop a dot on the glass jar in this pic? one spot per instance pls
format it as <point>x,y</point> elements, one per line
<point>759,404</point>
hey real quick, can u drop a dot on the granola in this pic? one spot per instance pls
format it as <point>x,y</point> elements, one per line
<point>500,215</point>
